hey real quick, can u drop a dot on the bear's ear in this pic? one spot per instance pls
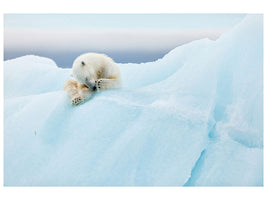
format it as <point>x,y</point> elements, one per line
<point>82,63</point>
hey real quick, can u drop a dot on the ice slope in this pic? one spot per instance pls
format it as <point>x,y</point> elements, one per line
<point>192,118</point>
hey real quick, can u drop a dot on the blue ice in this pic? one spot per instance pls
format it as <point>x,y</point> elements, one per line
<point>192,118</point>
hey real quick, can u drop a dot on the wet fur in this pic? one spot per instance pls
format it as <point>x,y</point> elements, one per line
<point>77,92</point>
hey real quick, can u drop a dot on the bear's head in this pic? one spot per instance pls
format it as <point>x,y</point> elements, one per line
<point>83,71</point>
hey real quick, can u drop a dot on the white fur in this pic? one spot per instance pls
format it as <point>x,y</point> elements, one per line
<point>96,63</point>
<point>92,72</point>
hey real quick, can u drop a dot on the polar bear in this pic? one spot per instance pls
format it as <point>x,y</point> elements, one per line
<point>93,72</point>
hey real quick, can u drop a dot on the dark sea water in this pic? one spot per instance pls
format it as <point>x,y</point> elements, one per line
<point>64,59</point>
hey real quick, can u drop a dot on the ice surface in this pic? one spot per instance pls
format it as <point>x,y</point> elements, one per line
<point>194,117</point>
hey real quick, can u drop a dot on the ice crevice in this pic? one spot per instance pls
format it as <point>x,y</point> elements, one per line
<point>195,173</point>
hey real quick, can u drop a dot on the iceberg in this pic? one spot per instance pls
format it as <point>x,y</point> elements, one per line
<point>192,118</point>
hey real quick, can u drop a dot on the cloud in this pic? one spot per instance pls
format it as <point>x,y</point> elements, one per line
<point>102,39</point>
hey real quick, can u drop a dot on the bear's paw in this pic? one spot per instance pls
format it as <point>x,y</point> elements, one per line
<point>77,101</point>
<point>99,84</point>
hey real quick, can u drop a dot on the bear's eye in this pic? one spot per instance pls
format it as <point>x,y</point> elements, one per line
<point>82,63</point>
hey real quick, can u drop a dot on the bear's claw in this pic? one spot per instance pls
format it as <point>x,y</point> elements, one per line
<point>77,101</point>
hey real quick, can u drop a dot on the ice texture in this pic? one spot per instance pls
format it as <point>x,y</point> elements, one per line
<point>192,118</point>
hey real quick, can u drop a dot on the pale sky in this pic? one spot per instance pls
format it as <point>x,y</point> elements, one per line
<point>147,21</point>
<point>125,37</point>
